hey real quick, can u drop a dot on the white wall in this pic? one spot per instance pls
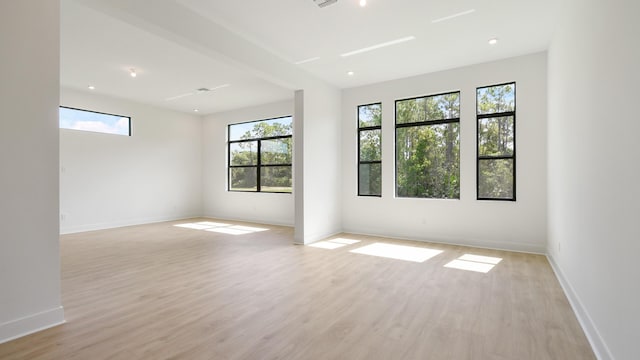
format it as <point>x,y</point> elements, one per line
<point>516,225</point>
<point>112,180</point>
<point>318,183</point>
<point>29,246</point>
<point>220,203</point>
<point>594,166</point>
<point>298,165</point>
<point>314,207</point>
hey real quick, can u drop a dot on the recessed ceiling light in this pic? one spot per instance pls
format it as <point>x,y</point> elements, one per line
<point>350,73</point>
<point>132,72</point>
<point>195,110</point>
<point>493,41</point>
<point>463,13</point>
<point>378,46</point>
<point>363,3</point>
<point>91,87</point>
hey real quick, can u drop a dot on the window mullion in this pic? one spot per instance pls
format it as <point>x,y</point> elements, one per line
<point>258,177</point>
<point>369,120</point>
<point>255,133</point>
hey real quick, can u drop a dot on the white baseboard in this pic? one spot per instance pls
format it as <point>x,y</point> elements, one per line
<point>314,238</point>
<point>116,224</point>
<point>492,245</point>
<point>30,324</point>
<point>593,335</point>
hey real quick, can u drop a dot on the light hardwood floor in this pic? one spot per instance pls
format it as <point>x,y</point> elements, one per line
<point>165,292</point>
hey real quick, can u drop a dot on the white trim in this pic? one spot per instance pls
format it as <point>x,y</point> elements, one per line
<point>528,248</point>
<point>598,345</point>
<point>117,224</point>
<point>30,324</point>
<point>311,239</point>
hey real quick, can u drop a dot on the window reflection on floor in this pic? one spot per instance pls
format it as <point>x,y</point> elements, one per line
<point>221,228</point>
<point>398,252</point>
<point>476,263</point>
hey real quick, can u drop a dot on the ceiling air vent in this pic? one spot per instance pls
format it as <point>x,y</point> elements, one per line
<point>323,3</point>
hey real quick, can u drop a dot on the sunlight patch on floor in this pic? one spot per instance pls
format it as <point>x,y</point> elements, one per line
<point>334,243</point>
<point>398,252</point>
<point>201,225</point>
<point>326,245</point>
<point>221,228</point>
<point>477,263</point>
<point>236,230</point>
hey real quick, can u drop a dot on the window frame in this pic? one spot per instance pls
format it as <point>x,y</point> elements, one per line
<point>512,157</point>
<point>369,128</point>
<point>425,123</point>
<point>95,112</point>
<point>258,164</point>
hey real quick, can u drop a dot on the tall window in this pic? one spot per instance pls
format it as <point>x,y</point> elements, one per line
<point>369,150</point>
<point>428,147</point>
<point>496,168</point>
<point>260,156</point>
<point>85,120</point>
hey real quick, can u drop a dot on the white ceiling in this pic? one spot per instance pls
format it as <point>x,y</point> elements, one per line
<point>98,50</point>
<point>166,42</point>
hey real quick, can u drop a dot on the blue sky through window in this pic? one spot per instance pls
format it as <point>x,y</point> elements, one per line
<point>75,119</point>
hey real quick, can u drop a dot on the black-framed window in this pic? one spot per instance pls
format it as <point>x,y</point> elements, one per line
<point>370,150</point>
<point>259,156</point>
<point>428,146</point>
<point>496,150</point>
<point>93,121</point>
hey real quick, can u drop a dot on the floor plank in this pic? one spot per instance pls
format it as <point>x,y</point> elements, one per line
<point>162,291</point>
